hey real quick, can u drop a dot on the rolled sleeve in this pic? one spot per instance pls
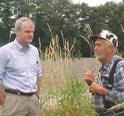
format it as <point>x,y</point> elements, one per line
<point>39,71</point>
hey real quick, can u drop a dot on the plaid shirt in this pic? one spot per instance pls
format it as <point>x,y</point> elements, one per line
<point>116,95</point>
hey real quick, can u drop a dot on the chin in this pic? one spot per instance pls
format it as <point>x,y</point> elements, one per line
<point>29,41</point>
<point>98,58</point>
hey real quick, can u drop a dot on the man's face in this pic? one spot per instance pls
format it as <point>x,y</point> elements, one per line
<point>25,35</point>
<point>101,49</point>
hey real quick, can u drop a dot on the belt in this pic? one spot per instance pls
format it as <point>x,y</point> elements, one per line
<point>18,92</point>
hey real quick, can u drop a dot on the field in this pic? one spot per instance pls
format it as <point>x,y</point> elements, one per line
<point>63,91</point>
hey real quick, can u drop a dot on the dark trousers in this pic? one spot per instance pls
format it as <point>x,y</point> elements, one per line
<point>118,112</point>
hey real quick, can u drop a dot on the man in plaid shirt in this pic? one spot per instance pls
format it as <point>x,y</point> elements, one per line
<point>105,49</point>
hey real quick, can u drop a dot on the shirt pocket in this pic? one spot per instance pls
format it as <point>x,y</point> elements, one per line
<point>16,65</point>
<point>34,68</point>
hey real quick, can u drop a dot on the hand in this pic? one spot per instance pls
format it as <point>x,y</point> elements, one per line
<point>38,96</point>
<point>89,77</point>
<point>2,97</point>
<point>96,88</point>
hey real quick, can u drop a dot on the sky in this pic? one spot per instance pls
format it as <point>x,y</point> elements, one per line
<point>95,2</point>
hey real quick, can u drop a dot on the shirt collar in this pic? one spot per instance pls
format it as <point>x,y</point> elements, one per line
<point>105,71</point>
<point>20,47</point>
<point>109,64</point>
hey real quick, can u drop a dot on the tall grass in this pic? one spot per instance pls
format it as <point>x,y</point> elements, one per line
<point>71,100</point>
<point>87,39</point>
<point>63,91</point>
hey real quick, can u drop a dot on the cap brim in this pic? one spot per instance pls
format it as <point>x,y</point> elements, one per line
<point>94,37</point>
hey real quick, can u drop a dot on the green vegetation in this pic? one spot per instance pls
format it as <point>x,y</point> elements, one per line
<point>70,100</point>
<point>63,91</point>
<point>63,16</point>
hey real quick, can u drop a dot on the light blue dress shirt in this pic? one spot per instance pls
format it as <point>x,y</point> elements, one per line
<point>19,67</point>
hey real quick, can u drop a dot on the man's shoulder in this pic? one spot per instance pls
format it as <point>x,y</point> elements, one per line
<point>5,50</point>
<point>121,60</point>
<point>33,48</point>
<point>120,63</point>
<point>6,47</point>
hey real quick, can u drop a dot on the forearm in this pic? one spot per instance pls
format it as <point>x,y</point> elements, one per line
<point>96,88</point>
<point>2,97</point>
<point>115,96</point>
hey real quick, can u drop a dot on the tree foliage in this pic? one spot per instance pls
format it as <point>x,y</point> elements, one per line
<point>62,16</point>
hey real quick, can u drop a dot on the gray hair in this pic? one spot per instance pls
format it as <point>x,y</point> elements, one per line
<point>20,21</point>
<point>108,44</point>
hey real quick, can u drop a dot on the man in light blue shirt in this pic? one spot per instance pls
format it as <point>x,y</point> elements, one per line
<point>20,72</point>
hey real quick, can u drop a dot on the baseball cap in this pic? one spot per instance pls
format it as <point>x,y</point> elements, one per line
<point>106,35</point>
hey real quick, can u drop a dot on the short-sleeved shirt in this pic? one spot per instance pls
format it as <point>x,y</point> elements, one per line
<point>19,67</point>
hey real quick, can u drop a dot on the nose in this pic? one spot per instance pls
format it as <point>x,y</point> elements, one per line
<point>31,33</point>
<point>95,48</point>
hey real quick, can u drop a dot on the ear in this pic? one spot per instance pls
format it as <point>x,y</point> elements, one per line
<point>16,31</point>
<point>110,48</point>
